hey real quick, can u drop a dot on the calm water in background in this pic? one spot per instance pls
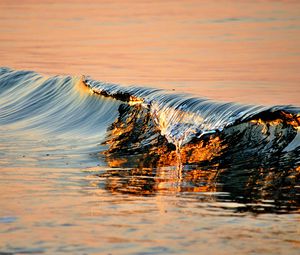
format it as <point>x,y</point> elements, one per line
<point>242,51</point>
<point>230,50</point>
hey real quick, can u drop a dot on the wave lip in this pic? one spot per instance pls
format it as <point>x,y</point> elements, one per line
<point>182,118</point>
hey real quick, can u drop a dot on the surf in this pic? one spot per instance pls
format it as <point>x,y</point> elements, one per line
<point>141,121</point>
<point>195,129</point>
<point>146,139</point>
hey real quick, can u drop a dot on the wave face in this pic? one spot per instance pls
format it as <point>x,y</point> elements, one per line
<point>152,136</point>
<point>50,119</point>
<point>182,120</point>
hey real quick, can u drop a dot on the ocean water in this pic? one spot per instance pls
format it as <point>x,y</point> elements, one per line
<point>133,127</point>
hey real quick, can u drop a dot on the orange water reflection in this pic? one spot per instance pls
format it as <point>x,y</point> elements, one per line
<point>244,51</point>
<point>229,50</point>
<point>66,210</point>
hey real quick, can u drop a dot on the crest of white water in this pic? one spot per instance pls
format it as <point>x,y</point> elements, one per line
<point>181,117</point>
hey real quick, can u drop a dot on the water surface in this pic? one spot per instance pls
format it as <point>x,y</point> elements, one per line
<point>244,51</point>
<point>95,167</point>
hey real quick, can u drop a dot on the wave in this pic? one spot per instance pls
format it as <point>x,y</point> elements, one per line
<point>252,151</point>
<point>195,128</point>
<point>142,120</point>
<point>50,118</point>
<point>179,117</point>
<point>247,154</point>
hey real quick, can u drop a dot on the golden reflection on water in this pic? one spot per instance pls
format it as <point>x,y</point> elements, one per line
<point>233,161</point>
<point>260,189</point>
<point>145,181</point>
<point>68,210</point>
<point>226,50</point>
<point>244,51</point>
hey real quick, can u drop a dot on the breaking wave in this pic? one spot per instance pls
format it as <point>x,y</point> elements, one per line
<point>153,118</point>
<point>63,120</point>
